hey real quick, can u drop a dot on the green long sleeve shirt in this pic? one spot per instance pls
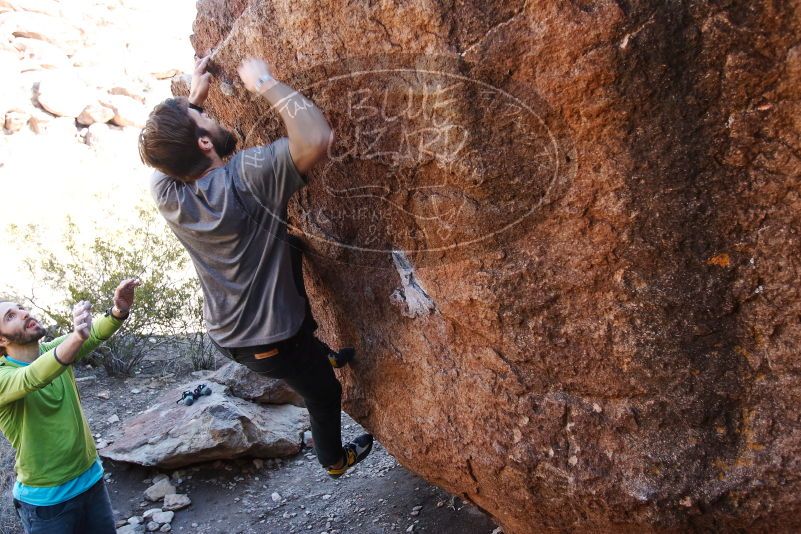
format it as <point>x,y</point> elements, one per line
<point>41,416</point>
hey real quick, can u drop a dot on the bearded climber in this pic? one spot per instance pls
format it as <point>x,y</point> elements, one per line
<point>231,218</point>
<point>59,487</point>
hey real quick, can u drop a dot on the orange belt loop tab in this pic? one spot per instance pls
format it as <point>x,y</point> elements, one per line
<point>268,354</point>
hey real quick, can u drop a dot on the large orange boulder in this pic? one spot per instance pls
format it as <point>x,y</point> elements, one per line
<point>564,238</point>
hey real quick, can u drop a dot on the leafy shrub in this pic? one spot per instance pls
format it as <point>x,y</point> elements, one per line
<point>202,352</point>
<point>168,306</point>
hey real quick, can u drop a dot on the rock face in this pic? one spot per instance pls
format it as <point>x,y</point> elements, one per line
<point>563,237</point>
<point>218,426</point>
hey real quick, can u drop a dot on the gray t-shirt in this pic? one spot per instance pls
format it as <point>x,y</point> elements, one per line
<point>232,223</point>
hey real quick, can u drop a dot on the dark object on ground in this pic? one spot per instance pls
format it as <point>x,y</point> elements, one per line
<point>188,397</point>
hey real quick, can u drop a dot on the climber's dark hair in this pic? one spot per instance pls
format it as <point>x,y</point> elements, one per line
<point>168,142</point>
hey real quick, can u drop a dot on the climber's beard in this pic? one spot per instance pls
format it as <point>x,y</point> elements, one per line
<point>224,142</point>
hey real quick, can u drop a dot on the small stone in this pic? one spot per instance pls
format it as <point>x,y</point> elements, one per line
<point>113,419</point>
<point>163,517</point>
<point>152,526</point>
<point>134,520</point>
<point>258,463</point>
<point>414,513</point>
<point>158,490</point>
<point>136,391</point>
<point>417,508</point>
<point>105,394</point>
<point>39,121</point>
<point>120,522</point>
<point>597,408</point>
<point>15,120</point>
<point>127,111</point>
<point>498,530</point>
<point>308,440</point>
<point>149,513</point>
<point>276,497</point>
<point>62,95</point>
<point>410,529</point>
<point>326,497</point>
<point>572,461</point>
<point>166,527</point>
<point>127,91</point>
<point>86,379</point>
<point>95,113</point>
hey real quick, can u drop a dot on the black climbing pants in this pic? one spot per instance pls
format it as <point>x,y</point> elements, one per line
<point>302,362</point>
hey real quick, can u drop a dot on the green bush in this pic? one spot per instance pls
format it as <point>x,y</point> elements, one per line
<point>195,341</point>
<point>168,306</point>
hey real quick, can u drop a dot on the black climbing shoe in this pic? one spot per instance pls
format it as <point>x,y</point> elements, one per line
<point>187,398</point>
<point>355,451</point>
<point>201,390</point>
<point>341,358</point>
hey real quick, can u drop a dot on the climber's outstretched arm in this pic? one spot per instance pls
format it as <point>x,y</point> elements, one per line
<point>309,132</point>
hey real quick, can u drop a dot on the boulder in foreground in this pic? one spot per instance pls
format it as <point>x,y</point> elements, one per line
<point>215,427</point>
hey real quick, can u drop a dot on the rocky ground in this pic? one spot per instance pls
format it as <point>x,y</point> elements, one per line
<point>263,496</point>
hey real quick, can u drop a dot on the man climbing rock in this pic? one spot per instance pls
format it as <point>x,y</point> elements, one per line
<point>231,218</point>
<point>59,487</point>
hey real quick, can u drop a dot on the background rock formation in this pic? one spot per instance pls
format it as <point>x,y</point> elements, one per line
<point>614,347</point>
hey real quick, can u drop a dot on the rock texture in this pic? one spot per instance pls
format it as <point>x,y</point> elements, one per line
<point>595,208</point>
<point>218,426</point>
<point>251,386</point>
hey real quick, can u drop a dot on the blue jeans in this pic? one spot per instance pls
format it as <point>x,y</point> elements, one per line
<point>88,512</point>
